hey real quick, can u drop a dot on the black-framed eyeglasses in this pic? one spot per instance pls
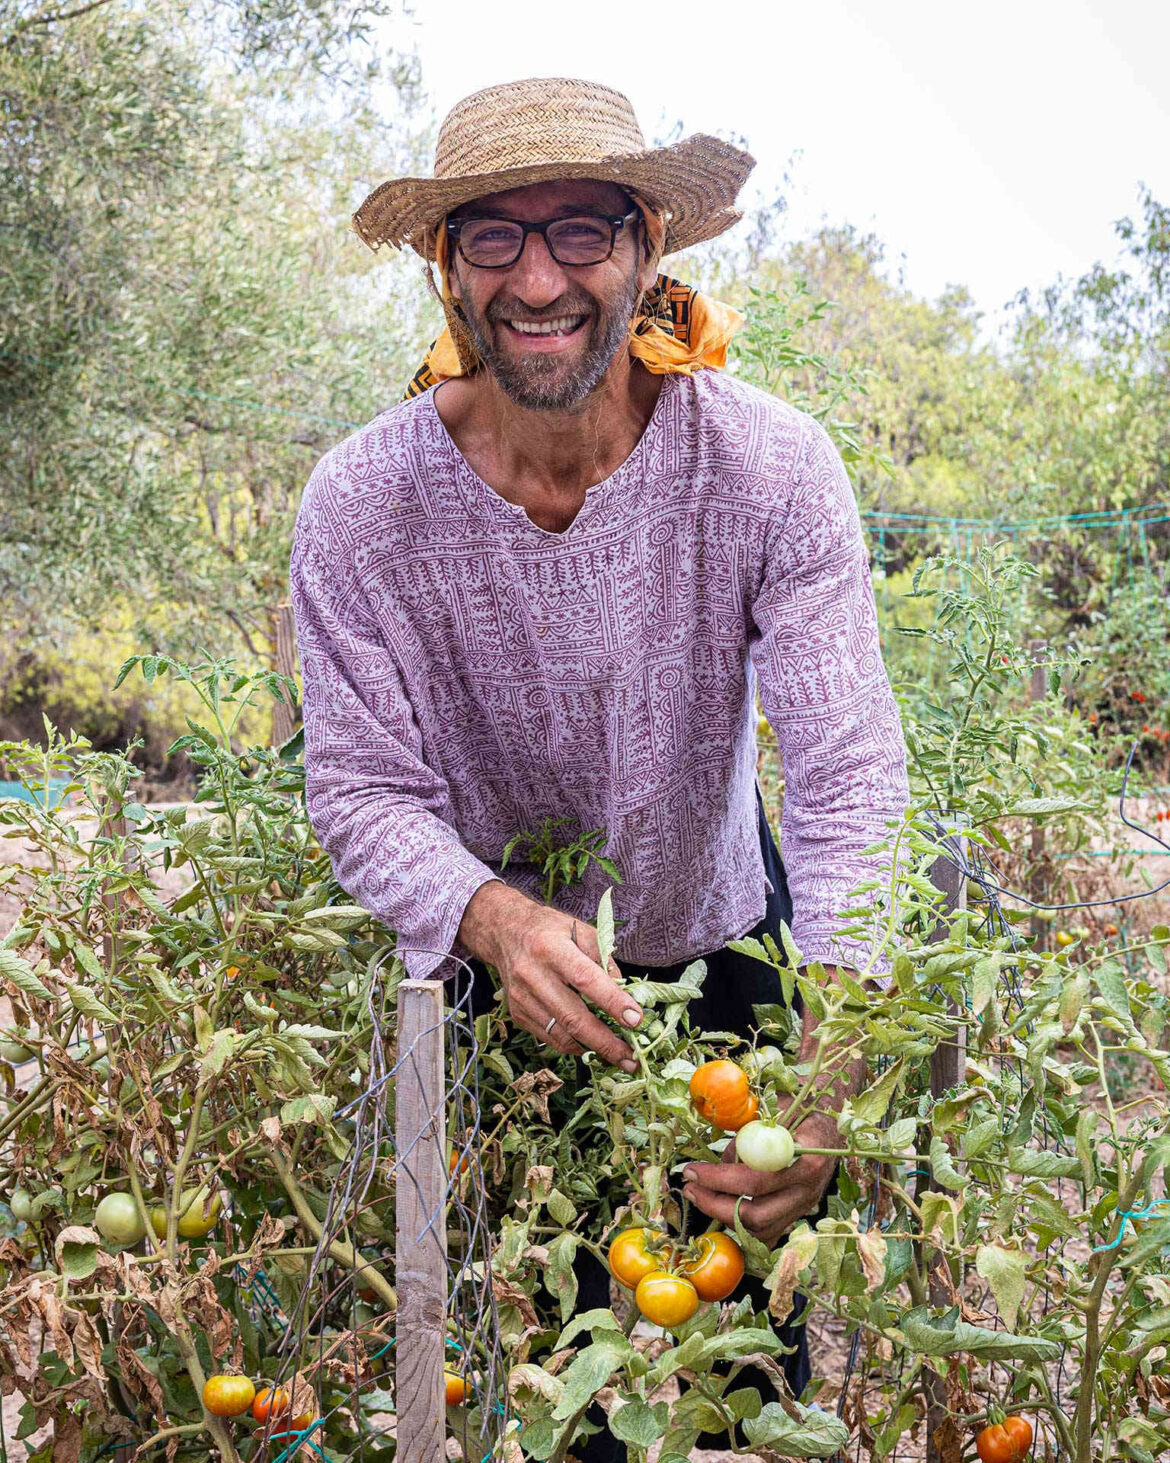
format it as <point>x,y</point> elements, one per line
<point>497,243</point>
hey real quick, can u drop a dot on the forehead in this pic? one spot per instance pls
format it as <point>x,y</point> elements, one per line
<point>545,200</point>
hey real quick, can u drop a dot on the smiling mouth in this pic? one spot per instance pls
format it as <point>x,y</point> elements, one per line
<point>561,326</point>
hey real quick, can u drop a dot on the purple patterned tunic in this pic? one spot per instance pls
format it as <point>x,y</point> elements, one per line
<point>467,674</point>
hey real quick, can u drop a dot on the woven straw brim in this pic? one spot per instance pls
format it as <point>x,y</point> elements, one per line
<point>694,183</point>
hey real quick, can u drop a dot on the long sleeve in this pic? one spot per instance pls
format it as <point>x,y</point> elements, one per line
<point>378,809</point>
<point>824,689</point>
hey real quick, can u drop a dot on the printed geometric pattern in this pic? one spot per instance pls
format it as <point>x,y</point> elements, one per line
<point>468,673</point>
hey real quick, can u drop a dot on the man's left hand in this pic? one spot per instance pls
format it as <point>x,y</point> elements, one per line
<point>772,1202</point>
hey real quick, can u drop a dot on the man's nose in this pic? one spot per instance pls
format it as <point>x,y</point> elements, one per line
<point>537,278</point>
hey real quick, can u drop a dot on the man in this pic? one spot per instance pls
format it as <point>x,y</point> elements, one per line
<point>549,585</point>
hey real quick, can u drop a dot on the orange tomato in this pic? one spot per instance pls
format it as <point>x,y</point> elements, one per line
<point>456,1387</point>
<point>1009,1441</point>
<point>270,1402</point>
<point>299,1424</point>
<point>1110,930</point>
<point>717,1267</point>
<point>458,1163</point>
<point>665,1299</point>
<point>629,1257</point>
<point>722,1095</point>
<point>227,1396</point>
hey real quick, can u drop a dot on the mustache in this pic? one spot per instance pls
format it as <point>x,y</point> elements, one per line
<point>514,310</point>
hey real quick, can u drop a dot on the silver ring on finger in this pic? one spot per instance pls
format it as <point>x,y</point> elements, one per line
<point>549,1027</point>
<point>573,936</point>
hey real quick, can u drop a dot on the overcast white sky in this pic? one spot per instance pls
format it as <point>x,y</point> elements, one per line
<point>990,144</point>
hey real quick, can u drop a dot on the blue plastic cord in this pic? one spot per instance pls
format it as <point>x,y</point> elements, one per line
<point>1126,1215</point>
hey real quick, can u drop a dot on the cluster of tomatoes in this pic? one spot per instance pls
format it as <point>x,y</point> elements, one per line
<point>117,1218</point>
<point>227,1395</point>
<point>670,1278</point>
<point>721,1094</point>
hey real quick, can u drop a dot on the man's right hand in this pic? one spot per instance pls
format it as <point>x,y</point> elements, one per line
<point>546,973</point>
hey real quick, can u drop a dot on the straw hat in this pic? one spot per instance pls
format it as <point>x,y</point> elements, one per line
<point>534,131</point>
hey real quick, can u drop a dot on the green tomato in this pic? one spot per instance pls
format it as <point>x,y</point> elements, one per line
<point>12,1049</point>
<point>766,1147</point>
<point>193,1222</point>
<point>118,1220</point>
<point>21,1204</point>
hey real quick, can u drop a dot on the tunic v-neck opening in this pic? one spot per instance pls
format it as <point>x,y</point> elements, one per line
<point>595,494</point>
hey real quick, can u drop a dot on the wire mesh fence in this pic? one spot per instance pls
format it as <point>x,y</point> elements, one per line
<point>388,1368</point>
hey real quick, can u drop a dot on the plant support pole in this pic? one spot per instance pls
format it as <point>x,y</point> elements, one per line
<point>285,717</point>
<point>421,1234</point>
<point>948,1069</point>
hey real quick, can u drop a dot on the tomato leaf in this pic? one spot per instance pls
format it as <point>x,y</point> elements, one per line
<point>871,1105</point>
<point>637,1422</point>
<point>560,1277</point>
<point>77,1248</point>
<point>20,973</point>
<point>589,1371</point>
<point>811,1433</point>
<point>943,1168</point>
<point>606,939</point>
<point>1006,1272</point>
<point>84,1000</point>
<point>947,1335</point>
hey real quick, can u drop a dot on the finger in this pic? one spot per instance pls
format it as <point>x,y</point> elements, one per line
<point>589,980</point>
<point>586,942</point>
<point>576,1022</point>
<point>773,1215</point>
<point>737,1178</point>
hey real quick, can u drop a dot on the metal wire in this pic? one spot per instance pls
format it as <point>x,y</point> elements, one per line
<point>325,1322</point>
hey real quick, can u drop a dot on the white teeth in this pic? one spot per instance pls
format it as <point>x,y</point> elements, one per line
<point>547,327</point>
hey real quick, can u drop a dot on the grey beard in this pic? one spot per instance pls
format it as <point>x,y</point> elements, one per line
<point>536,383</point>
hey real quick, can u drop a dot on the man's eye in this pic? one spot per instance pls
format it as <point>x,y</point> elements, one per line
<point>581,228</point>
<point>491,233</point>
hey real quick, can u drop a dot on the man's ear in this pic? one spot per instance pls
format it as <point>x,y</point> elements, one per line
<point>648,268</point>
<point>453,281</point>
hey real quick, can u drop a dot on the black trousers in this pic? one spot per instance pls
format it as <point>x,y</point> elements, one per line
<point>734,984</point>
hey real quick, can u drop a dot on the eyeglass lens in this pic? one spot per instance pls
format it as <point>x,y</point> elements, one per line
<point>497,241</point>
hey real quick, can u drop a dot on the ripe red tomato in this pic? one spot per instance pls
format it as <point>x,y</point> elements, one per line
<point>722,1095</point>
<point>717,1267</point>
<point>1009,1441</point>
<point>270,1402</point>
<point>629,1257</point>
<point>665,1299</point>
<point>456,1387</point>
<point>227,1396</point>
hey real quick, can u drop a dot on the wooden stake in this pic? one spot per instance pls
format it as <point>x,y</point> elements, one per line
<point>421,1239</point>
<point>948,1068</point>
<point>1038,691</point>
<point>285,717</point>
